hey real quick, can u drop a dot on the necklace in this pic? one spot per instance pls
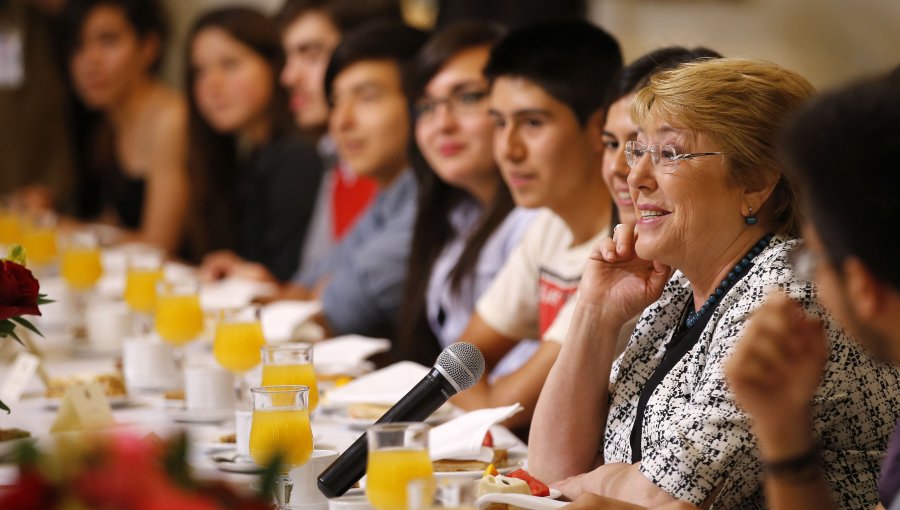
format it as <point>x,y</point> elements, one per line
<point>730,278</point>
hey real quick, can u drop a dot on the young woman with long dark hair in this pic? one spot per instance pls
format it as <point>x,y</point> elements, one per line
<point>133,138</point>
<point>467,222</point>
<point>255,180</point>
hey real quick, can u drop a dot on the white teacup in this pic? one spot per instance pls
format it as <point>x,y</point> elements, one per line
<point>148,363</point>
<point>208,387</point>
<point>107,323</point>
<point>306,490</point>
<point>242,420</point>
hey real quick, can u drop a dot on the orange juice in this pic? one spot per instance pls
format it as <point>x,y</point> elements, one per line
<point>140,289</point>
<point>281,431</point>
<point>81,267</point>
<point>179,318</point>
<point>10,232</point>
<point>390,470</point>
<point>237,345</point>
<point>303,375</point>
<point>40,245</point>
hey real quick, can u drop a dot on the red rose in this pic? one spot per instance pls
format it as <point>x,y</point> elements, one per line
<point>18,291</point>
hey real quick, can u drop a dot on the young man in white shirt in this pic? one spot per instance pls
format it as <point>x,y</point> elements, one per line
<point>547,84</point>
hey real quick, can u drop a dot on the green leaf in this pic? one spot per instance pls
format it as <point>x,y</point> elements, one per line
<point>268,477</point>
<point>7,329</point>
<point>4,407</point>
<point>17,254</point>
<point>175,462</point>
<point>27,325</point>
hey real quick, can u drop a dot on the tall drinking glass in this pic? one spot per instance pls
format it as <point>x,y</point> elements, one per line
<point>398,454</point>
<point>145,271</point>
<point>280,426</point>
<point>39,239</point>
<point>10,223</point>
<point>179,318</point>
<point>238,340</point>
<point>291,363</point>
<point>81,265</point>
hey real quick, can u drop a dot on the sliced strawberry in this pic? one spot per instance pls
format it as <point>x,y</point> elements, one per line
<point>538,488</point>
<point>488,440</point>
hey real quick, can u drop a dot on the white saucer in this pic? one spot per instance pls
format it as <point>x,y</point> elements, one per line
<point>239,464</point>
<point>200,415</point>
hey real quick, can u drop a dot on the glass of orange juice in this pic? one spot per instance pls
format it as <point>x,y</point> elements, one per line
<point>238,340</point>
<point>291,363</point>
<point>81,265</point>
<point>144,272</point>
<point>10,229</point>
<point>179,318</point>
<point>398,454</point>
<point>39,239</point>
<point>279,427</point>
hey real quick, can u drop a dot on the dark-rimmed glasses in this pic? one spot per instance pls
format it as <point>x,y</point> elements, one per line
<point>463,102</point>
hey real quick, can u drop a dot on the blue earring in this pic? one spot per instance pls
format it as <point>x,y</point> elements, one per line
<point>750,219</point>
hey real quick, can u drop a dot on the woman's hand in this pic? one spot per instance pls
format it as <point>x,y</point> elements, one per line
<point>224,264</point>
<point>617,281</point>
<point>775,371</point>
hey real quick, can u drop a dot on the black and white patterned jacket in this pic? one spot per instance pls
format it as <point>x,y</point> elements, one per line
<point>694,437</point>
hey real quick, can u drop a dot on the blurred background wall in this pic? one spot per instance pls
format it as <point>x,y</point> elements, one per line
<point>828,41</point>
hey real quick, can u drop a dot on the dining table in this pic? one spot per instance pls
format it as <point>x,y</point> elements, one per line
<point>65,352</point>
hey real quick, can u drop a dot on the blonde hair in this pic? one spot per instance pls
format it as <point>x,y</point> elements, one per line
<point>741,105</point>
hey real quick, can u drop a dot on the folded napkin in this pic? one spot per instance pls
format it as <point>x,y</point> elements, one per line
<point>281,318</point>
<point>384,387</point>
<point>232,292</point>
<point>461,437</point>
<point>348,350</point>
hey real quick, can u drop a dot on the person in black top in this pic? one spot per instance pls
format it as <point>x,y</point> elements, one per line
<point>134,141</point>
<point>255,179</point>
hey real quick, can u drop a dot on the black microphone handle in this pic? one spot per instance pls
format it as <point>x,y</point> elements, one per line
<point>417,405</point>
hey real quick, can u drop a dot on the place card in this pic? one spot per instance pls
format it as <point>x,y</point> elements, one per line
<point>18,377</point>
<point>84,407</point>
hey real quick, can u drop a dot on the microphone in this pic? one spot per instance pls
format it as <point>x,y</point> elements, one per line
<point>457,368</point>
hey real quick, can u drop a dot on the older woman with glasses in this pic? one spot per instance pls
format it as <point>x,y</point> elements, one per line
<point>716,223</point>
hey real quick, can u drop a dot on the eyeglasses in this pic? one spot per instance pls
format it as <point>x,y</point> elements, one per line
<point>463,102</point>
<point>665,158</point>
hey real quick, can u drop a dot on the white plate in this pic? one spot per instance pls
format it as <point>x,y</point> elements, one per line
<point>200,415</point>
<point>472,475</point>
<point>521,501</point>
<point>339,415</point>
<point>54,402</point>
<point>208,438</point>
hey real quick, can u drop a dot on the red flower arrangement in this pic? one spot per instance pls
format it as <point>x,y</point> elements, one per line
<point>19,295</point>
<point>122,472</point>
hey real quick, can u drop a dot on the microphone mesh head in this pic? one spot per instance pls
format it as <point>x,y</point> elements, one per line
<point>463,364</point>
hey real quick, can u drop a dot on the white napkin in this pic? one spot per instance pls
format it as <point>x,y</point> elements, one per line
<point>232,293</point>
<point>461,437</point>
<point>384,387</point>
<point>348,350</point>
<point>279,319</point>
